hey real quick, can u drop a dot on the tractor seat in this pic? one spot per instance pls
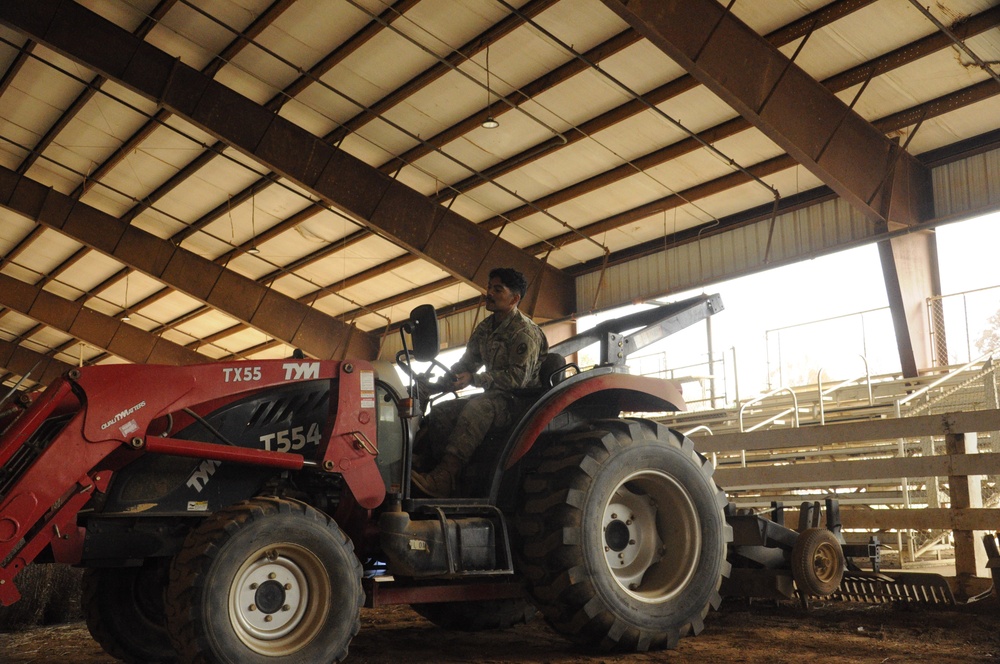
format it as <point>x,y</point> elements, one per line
<point>552,370</point>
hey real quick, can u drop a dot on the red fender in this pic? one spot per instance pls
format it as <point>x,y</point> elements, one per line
<point>639,394</point>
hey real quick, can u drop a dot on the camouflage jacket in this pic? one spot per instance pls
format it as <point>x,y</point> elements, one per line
<point>510,351</point>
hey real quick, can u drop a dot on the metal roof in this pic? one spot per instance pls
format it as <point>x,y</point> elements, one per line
<point>243,177</point>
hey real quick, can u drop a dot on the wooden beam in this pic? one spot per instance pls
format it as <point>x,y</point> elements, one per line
<point>851,432</point>
<point>825,473</point>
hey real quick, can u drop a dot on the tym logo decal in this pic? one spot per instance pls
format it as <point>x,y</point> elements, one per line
<point>241,374</point>
<point>199,478</point>
<point>122,415</point>
<point>301,371</point>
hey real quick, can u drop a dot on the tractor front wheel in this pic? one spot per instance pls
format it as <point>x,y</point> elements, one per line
<point>265,581</point>
<point>623,536</point>
<point>124,611</point>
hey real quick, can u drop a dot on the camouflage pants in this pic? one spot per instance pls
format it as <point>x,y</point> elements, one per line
<point>460,425</point>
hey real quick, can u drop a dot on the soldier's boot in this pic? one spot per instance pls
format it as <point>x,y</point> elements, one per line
<point>442,481</point>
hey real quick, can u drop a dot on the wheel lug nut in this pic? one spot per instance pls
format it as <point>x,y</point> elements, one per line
<point>253,607</point>
<point>286,608</point>
<point>268,618</point>
<point>631,542</point>
<point>253,586</point>
<point>614,516</point>
<point>288,586</point>
<point>272,576</point>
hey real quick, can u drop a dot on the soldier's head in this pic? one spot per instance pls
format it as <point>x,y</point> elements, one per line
<point>506,288</point>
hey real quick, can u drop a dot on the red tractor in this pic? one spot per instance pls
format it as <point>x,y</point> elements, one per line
<point>246,511</point>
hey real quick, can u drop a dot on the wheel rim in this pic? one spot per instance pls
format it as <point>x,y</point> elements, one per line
<point>825,562</point>
<point>651,536</point>
<point>280,599</point>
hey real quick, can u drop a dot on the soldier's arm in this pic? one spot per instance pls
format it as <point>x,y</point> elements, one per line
<point>471,359</point>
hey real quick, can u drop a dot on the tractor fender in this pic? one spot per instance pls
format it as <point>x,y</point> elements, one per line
<point>600,389</point>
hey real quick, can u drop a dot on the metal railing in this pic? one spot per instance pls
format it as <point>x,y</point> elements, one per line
<point>794,410</point>
<point>850,381</point>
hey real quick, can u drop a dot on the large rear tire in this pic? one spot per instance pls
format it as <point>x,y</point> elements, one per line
<point>265,581</point>
<point>623,536</point>
<point>477,616</point>
<point>124,611</point>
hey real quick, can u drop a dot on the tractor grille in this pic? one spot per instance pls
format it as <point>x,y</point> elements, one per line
<point>283,407</point>
<point>30,450</point>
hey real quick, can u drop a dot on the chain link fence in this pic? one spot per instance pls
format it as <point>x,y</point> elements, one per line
<point>964,325</point>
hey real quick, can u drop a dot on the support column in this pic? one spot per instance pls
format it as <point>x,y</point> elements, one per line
<point>966,492</point>
<point>910,269</point>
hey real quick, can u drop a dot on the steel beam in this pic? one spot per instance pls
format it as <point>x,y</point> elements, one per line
<point>794,110</point>
<point>910,272</point>
<point>97,329</point>
<point>20,360</point>
<point>375,200</point>
<point>318,334</point>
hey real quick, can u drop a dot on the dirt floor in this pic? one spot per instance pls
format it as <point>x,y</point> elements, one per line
<point>739,632</point>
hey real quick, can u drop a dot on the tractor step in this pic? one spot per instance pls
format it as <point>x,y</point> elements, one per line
<point>890,587</point>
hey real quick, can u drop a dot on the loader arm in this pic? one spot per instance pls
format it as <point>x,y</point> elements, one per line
<point>63,449</point>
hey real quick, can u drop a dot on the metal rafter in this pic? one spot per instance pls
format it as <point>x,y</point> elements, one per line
<point>970,95</point>
<point>780,37</point>
<point>457,57</point>
<point>273,313</point>
<point>361,191</point>
<point>93,327</point>
<point>883,64</point>
<point>19,360</point>
<point>572,67</point>
<point>89,91</point>
<point>808,121</point>
<point>845,79</point>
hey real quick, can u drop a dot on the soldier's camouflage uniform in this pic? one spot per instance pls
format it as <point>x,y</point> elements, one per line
<point>511,352</point>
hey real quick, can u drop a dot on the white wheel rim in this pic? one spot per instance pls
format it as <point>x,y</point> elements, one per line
<point>279,599</point>
<point>651,536</point>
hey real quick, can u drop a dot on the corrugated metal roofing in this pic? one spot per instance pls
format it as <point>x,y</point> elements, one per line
<point>593,161</point>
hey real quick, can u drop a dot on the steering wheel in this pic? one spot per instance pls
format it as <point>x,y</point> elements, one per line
<point>424,379</point>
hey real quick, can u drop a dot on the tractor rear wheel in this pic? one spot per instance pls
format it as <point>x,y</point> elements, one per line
<point>477,616</point>
<point>623,536</point>
<point>265,581</point>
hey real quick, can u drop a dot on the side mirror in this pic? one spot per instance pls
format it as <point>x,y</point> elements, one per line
<point>424,331</point>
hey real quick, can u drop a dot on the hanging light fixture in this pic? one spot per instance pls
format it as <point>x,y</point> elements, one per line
<point>490,122</point>
<point>253,225</point>
<point>125,317</point>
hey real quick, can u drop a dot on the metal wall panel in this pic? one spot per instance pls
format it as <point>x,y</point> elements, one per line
<point>454,331</point>
<point>797,235</point>
<point>966,187</point>
<point>970,185</point>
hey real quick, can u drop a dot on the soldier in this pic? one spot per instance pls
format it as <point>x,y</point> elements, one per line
<point>511,347</point>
